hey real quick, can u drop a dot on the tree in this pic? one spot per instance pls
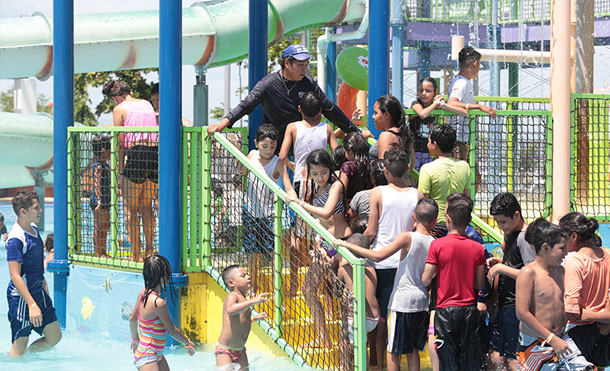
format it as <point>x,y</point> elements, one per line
<point>217,113</point>
<point>7,102</point>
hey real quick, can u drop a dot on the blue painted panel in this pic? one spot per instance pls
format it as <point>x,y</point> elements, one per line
<point>101,300</point>
<point>604,232</point>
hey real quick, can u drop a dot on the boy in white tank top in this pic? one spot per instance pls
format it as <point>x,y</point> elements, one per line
<point>408,307</point>
<point>390,215</point>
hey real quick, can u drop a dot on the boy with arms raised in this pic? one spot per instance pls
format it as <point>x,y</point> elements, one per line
<point>544,345</point>
<point>390,214</point>
<point>408,314</point>
<point>236,319</point>
<point>459,263</point>
<point>506,211</point>
<point>29,305</point>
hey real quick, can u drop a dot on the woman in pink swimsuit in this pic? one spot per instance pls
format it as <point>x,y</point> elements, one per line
<point>140,166</point>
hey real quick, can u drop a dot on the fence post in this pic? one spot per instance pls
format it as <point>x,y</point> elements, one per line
<point>359,315</point>
<point>114,213</point>
<point>72,158</point>
<point>548,197</point>
<point>277,264</point>
<point>206,197</point>
<point>472,155</point>
<point>573,147</point>
<point>193,244</point>
<point>184,196</point>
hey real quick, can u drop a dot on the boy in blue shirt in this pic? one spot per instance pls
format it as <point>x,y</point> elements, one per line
<point>29,305</point>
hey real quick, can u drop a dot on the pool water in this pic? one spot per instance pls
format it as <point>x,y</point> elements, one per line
<point>99,351</point>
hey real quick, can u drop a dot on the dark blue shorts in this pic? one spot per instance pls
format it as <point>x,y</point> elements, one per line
<point>385,285</point>
<point>19,314</point>
<point>505,332</point>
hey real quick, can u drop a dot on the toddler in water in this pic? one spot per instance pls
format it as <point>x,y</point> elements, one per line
<point>150,320</point>
<point>237,319</point>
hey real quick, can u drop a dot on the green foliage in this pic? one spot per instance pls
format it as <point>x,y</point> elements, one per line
<point>82,102</point>
<point>7,102</point>
<point>274,51</point>
<point>218,113</point>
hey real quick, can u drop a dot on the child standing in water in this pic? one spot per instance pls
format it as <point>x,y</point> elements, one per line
<point>150,320</point>
<point>236,319</point>
<point>100,197</point>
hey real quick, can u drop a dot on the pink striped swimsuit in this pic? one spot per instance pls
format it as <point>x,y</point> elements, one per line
<point>139,113</point>
<point>152,335</point>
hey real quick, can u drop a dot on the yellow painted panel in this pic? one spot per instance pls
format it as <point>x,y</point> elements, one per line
<point>193,311</point>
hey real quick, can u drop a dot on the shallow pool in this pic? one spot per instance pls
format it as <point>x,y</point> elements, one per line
<point>98,351</point>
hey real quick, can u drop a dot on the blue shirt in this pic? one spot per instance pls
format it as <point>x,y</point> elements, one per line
<point>27,249</point>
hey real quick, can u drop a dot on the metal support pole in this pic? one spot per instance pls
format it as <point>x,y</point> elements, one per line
<point>39,188</point>
<point>170,149</point>
<point>227,100</point>
<point>513,79</point>
<point>63,97</point>
<point>277,267</point>
<point>397,44</point>
<point>494,66</point>
<point>331,70</point>
<point>257,59</point>
<point>200,97</point>
<point>378,55</point>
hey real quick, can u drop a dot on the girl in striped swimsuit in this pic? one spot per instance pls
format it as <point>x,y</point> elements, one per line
<point>150,320</point>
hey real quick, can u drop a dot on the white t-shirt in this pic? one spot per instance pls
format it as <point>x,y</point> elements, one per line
<point>410,295</point>
<point>461,88</point>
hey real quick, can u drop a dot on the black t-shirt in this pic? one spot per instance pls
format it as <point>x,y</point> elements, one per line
<point>280,100</point>
<point>416,123</point>
<point>515,243</point>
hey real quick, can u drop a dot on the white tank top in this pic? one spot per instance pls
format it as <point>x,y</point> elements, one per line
<point>306,141</point>
<point>396,217</point>
<point>409,294</point>
<point>259,197</point>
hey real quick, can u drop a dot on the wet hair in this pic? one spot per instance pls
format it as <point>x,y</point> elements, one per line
<point>266,131</point>
<point>319,157</point>
<point>505,204</point>
<point>359,239</point>
<point>99,143</point>
<point>430,80</point>
<point>359,224</point>
<point>338,157</point>
<point>396,161</point>
<point>390,104</point>
<point>116,89</point>
<point>585,228</point>
<point>444,136</point>
<point>459,208</point>
<point>48,242</point>
<point>310,104</point>
<point>156,268</point>
<point>24,200</point>
<point>154,89</point>
<point>426,210</point>
<point>356,143</point>
<point>542,231</point>
<point>377,174</point>
<point>228,273</point>
<point>468,56</point>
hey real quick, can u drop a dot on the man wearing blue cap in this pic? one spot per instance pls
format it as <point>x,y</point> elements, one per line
<point>279,92</point>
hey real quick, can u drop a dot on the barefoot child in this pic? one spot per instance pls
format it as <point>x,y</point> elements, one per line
<point>544,345</point>
<point>236,319</point>
<point>100,197</point>
<point>29,305</point>
<point>150,320</point>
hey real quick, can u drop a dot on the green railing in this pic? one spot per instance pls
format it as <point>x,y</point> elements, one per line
<point>590,155</point>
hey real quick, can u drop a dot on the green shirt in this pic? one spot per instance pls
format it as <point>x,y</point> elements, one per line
<point>443,177</point>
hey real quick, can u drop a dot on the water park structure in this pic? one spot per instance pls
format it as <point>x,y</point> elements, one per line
<point>553,153</point>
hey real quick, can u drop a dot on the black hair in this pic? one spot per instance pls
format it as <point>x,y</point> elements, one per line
<point>24,200</point>
<point>283,61</point>
<point>359,224</point>
<point>426,210</point>
<point>430,80</point>
<point>266,131</point>
<point>396,161</point>
<point>377,174</point>
<point>468,56</point>
<point>390,104</point>
<point>459,208</point>
<point>585,228</point>
<point>227,273</point>
<point>444,136</point>
<point>338,157</point>
<point>156,268</point>
<point>154,89</point>
<point>359,239</point>
<point>505,204</point>
<point>1,217</point>
<point>542,231</point>
<point>356,143</point>
<point>48,242</point>
<point>319,157</point>
<point>310,104</point>
<point>116,89</point>
<point>216,187</point>
<point>99,143</point>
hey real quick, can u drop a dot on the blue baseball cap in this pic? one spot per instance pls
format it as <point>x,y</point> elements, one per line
<point>296,51</point>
